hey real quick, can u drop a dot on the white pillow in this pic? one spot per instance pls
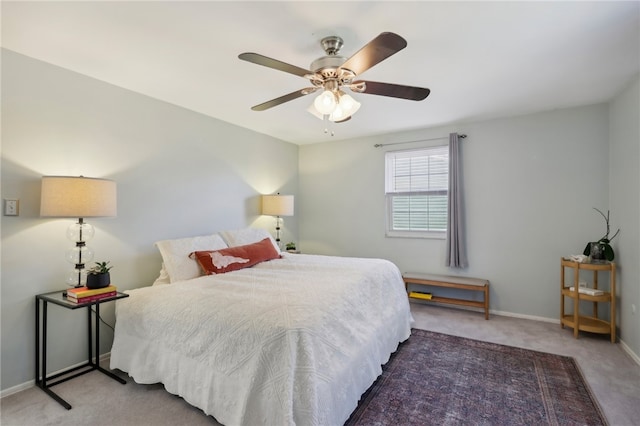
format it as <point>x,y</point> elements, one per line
<point>240,237</point>
<point>175,255</point>
<point>163,278</point>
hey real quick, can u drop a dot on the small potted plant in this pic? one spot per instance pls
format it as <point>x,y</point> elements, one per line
<point>291,246</point>
<point>601,250</point>
<point>98,276</point>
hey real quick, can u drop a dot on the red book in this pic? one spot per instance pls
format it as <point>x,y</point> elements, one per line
<point>91,298</point>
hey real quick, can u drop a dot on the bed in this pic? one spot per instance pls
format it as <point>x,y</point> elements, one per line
<point>296,339</point>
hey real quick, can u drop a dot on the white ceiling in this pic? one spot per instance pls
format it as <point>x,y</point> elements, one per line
<point>480,59</point>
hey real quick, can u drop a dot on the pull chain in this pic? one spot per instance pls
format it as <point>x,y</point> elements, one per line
<point>327,128</point>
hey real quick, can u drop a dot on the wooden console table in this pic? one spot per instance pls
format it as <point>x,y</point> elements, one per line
<point>590,323</point>
<point>452,281</point>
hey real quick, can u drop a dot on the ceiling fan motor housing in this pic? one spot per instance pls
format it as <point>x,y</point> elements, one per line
<point>332,76</point>
<point>329,66</point>
<point>327,62</point>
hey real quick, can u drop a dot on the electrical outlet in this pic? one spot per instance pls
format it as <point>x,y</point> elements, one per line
<point>11,207</point>
<point>633,309</point>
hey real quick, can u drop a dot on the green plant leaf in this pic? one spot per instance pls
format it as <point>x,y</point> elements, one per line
<point>587,250</point>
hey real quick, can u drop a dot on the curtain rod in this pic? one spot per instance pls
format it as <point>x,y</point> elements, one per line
<point>378,145</point>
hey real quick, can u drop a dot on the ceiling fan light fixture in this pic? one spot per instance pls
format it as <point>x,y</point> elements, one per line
<point>325,103</point>
<point>320,116</point>
<point>338,114</point>
<point>345,108</point>
<point>314,111</point>
<point>348,105</point>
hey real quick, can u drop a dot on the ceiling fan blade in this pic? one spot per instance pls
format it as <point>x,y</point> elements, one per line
<point>394,90</point>
<point>376,51</point>
<point>273,63</point>
<point>282,99</point>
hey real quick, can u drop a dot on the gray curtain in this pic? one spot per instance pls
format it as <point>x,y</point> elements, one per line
<point>456,251</point>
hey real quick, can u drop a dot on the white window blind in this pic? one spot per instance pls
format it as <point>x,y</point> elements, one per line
<point>417,184</point>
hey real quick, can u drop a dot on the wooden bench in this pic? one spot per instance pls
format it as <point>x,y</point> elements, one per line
<point>451,281</point>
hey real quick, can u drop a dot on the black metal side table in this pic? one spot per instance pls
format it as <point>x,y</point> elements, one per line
<point>58,298</point>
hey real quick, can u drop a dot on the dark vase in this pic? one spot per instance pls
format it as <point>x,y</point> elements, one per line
<point>98,280</point>
<point>597,252</point>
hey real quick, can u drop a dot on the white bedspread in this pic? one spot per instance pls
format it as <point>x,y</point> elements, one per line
<point>290,341</point>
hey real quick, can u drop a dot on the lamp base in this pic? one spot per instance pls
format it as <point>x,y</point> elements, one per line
<point>77,277</point>
<point>278,227</point>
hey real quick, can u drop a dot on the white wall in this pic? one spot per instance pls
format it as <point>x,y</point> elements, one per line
<point>529,182</point>
<point>178,173</point>
<point>624,166</point>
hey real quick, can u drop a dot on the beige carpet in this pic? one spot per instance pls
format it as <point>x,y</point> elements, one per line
<point>612,375</point>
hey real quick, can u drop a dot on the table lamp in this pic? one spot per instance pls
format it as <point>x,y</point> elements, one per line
<point>78,197</point>
<point>277,205</point>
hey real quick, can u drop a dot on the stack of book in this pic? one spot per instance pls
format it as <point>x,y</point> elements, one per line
<point>85,294</point>
<point>587,290</point>
<point>420,295</point>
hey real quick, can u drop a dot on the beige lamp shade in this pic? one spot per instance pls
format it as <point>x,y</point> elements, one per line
<point>277,205</point>
<point>69,196</point>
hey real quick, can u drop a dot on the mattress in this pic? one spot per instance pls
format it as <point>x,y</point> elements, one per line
<point>295,340</point>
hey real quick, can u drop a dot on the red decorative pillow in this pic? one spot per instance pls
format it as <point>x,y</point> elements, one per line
<point>234,258</point>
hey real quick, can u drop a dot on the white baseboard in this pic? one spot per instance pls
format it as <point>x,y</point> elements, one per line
<point>17,388</point>
<point>623,345</point>
<point>629,352</point>
<point>32,383</point>
<point>529,317</point>
<point>491,312</point>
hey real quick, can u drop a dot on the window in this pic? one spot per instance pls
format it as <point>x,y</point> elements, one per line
<point>417,187</point>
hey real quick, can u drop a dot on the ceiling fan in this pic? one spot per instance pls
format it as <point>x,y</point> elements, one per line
<point>333,73</point>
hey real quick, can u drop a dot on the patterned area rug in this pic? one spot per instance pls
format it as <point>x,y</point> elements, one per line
<point>436,379</point>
